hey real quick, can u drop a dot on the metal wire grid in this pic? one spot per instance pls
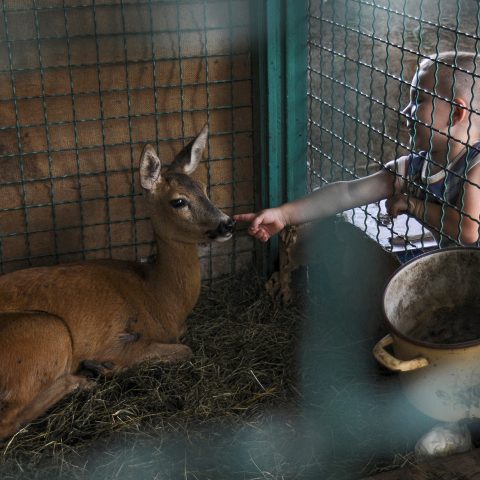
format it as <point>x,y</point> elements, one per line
<point>91,135</point>
<point>362,56</point>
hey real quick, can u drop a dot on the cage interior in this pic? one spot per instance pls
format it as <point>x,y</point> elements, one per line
<point>83,87</point>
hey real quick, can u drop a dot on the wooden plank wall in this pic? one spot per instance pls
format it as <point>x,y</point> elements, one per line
<point>84,85</point>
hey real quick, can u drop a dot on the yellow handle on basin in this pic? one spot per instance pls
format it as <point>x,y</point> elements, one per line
<point>392,363</point>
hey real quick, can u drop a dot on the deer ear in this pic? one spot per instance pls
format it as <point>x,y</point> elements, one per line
<point>189,158</point>
<point>150,168</point>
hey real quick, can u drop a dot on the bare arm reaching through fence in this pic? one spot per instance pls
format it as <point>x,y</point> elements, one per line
<point>333,198</point>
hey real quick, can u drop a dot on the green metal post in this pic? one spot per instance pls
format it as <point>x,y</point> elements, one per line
<point>276,115</point>
<point>296,53</point>
<point>282,103</point>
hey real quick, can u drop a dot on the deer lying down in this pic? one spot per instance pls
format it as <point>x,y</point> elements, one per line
<point>57,323</point>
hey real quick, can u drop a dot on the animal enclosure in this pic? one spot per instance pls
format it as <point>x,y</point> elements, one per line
<point>83,87</point>
<point>85,84</point>
<point>296,94</point>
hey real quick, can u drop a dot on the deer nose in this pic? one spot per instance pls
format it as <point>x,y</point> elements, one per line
<point>223,231</point>
<point>224,228</point>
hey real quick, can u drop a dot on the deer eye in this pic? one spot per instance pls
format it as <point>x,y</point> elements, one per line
<point>178,203</point>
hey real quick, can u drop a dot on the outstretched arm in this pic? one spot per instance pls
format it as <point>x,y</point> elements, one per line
<point>324,202</point>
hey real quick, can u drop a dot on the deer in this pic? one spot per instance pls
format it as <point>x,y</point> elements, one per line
<point>61,325</point>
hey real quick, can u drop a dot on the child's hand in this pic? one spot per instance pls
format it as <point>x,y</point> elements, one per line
<point>264,224</point>
<point>398,204</point>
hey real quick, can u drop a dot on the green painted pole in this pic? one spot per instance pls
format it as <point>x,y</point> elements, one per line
<point>276,114</point>
<point>276,100</point>
<point>296,53</point>
<point>281,61</point>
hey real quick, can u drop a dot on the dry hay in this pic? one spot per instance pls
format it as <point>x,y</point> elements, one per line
<point>243,369</point>
<point>233,411</point>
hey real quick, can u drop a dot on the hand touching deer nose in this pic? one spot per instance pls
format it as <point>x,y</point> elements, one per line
<point>263,224</point>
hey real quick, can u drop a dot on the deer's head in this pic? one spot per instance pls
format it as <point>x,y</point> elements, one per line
<point>178,205</point>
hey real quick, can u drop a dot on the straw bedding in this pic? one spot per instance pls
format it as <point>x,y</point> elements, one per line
<point>243,367</point>
<point>236,410</point>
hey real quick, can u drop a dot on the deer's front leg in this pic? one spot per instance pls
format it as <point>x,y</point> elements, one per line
<point>93,369</point>
<point>150,350</point>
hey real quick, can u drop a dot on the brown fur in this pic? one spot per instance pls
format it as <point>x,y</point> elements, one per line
<point>108,312</point>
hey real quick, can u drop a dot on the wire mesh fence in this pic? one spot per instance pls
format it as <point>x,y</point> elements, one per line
<point>362,59</point>
<point>83,86</point>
